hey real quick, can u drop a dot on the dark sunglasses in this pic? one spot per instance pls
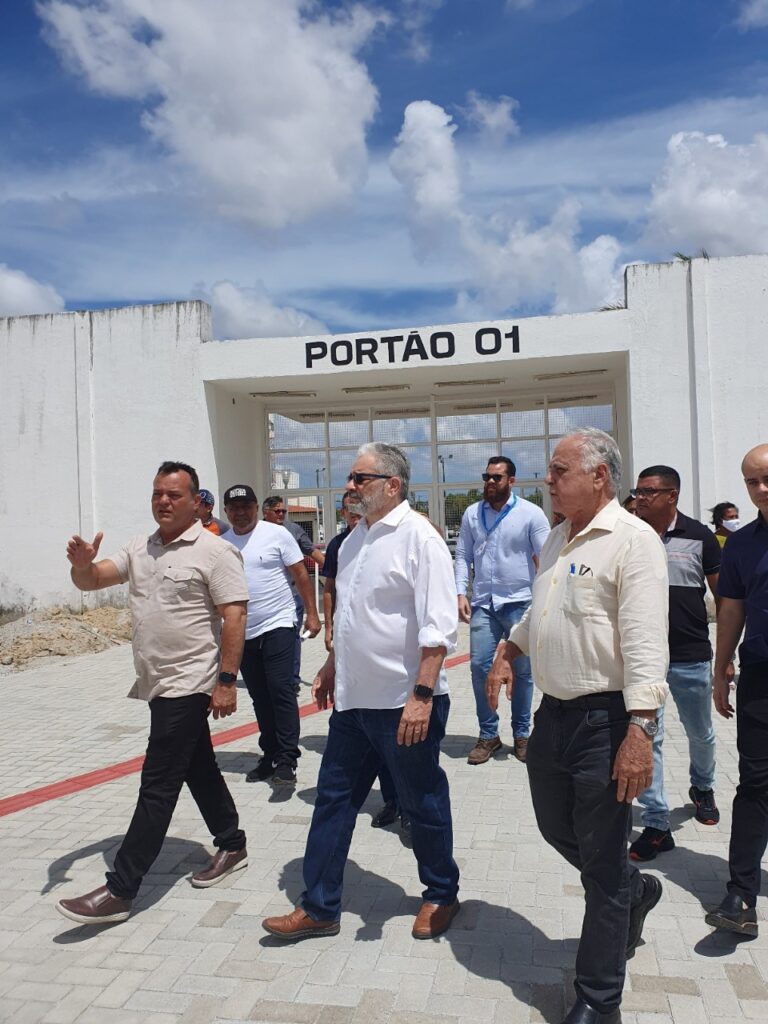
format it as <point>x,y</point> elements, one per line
<point>496,477</point>
<point>279,511</point>
<point>359,478</point>
<point>649,492</point>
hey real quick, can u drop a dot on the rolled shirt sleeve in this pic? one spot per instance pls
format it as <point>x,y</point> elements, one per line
<point>434,595</point>
<point>643,606</point>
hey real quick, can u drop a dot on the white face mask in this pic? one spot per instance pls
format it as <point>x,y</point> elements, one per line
<point>732,525</point>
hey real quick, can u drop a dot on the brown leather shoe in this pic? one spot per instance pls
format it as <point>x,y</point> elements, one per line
<point>223,864</point>
<point>433,919</point>
<point>483,749</point>
<point>521,748</point>
<point>298,925</point>
<point>97,907</point>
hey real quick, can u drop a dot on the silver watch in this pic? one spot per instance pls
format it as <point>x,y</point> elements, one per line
<point>649,725</point>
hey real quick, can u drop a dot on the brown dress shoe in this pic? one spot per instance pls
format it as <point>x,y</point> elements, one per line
<point>298,925</point>
<point>223,864</point>
<point>433,919</point>
<point>482,750</point>
<point>521,748</point>
<point>97,907</point>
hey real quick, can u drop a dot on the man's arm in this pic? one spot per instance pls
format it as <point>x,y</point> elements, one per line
<point>307,595</point>
<point>224,696</point>
<point>329,607</point>
<point>712,579</point>
<point>462,565</point>
<point>85,573</point>
<point>414,721</point>
<point>502,673</point>
<point>730,623</point>
<point>318,557</point>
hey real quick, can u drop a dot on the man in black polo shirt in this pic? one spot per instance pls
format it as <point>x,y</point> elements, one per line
<point>693,556</point>
<point>743,589</point>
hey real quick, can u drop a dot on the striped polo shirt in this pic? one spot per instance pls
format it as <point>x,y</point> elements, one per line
<point>692,554</point>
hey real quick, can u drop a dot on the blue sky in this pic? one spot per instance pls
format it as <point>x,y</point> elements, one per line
<point>331,166</point>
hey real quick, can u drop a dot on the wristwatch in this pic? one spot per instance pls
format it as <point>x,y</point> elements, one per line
<point>227,678</point>
<point>424,692</point>
<point>649,725</point>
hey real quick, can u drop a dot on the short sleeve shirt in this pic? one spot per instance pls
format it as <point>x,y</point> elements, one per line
<point>692,554</point>
<point>174,590</point>
<point>301,537</point>
<point>744,577</point>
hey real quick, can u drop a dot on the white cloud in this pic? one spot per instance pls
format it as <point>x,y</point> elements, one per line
<point>712,194</point>
<point>21,295</point>
<point>494,118</point>
<point>507,261</point>
<point>266,102</point>
<point>251,313</point>
<point>753,14</point>
<point>416,15</point>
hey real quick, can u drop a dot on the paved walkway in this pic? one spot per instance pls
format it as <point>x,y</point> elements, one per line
<point>199,956</point>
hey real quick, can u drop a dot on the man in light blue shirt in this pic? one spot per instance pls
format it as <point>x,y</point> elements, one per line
<point>500,538</point>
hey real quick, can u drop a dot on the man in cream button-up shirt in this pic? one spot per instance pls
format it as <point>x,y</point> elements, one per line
<point>396,618</point>
<point>596,632</point>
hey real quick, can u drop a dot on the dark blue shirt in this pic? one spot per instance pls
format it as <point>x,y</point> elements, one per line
<point>744,577</point>
<point>331,564</point>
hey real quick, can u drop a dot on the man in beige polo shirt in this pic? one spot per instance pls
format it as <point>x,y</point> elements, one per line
<point>188,601</point>
<point>596,633</point>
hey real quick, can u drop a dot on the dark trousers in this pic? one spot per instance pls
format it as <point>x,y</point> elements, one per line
<point>267,668</point>
<point>179,751</point>
<point>570,759</point>
<point>749,827</point>
<point>387,786</point>
<point>359,741</point>
<point>300,613</point>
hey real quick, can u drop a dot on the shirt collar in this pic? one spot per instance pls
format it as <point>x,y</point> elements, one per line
<point>510,501</point>
<point>393,518</point>
<point>605,519</point>
<point>189,536</point>
<point>760,523</point>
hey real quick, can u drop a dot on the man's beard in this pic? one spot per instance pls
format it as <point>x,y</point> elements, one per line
<point>372,503</point>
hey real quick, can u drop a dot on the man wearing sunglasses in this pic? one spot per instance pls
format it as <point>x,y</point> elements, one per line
<point>500,539</point>
<point>693,558</point>
<point>395,621</point>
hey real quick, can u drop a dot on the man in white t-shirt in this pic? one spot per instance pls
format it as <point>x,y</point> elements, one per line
<point>271,558</point>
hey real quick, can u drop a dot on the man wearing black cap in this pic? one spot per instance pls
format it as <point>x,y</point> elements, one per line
<point>271,557</point>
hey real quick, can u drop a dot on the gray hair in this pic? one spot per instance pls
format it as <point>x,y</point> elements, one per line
<point>390,460</point>
<point>600,449</point>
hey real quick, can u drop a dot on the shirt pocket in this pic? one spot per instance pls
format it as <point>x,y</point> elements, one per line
<point>177,585</point>
<point>580,594</point>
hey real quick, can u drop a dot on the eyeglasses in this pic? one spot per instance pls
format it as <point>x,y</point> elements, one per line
<point>279,511</point>
<point>496,477</point>
<point>649,492</point>
<point>359,478</point>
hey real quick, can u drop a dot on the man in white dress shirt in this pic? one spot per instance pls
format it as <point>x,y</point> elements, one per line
<point>396,619</point>
<point>596,633</point>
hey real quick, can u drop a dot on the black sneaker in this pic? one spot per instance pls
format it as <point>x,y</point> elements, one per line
<point>386,815</point>
<point>650,842</point>
<point>264,770</point>
<point>733,916</point>
<point>284,775</point>
<point>706,808</point>
<point>638,913</point>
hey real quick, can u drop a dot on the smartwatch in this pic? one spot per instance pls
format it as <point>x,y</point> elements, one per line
<point>227,678</point>
<point>649,725</point>
<point>424,692</point>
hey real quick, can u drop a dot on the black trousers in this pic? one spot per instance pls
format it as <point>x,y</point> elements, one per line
<point>179,751</point>
<point>570,759</point>
<point>749,827</point>
<point>267,668</point>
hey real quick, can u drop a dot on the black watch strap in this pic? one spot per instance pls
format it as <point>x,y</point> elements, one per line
<point>227,678</point>
<point>424,692</point>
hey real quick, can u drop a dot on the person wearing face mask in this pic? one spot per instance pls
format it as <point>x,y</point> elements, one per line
<point>725,519</point>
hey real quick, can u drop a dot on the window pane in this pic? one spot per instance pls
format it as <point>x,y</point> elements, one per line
<point>347,432</point>
<point>459,463</point>
<point>420,458</point>
<point>525,423</point>
<point>529,458</point>
<point>455,502</point>
<point>566,418</point>
<point>459,428</point>
<point>399,430</point>
<point>420,501</point>
<point>341,464</point>
<point>292,470</point>
<point>285,432</point>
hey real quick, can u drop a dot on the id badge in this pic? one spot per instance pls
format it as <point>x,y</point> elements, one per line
<point>481,549</point>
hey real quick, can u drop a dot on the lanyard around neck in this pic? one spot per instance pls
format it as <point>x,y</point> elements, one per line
<point>504,512</point>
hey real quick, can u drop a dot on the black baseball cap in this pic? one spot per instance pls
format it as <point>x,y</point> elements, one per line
<point>240,492</point>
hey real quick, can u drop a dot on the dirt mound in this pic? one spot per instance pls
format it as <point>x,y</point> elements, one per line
<point>58,633</point>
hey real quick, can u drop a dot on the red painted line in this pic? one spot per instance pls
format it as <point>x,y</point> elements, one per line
<point>78,783</point>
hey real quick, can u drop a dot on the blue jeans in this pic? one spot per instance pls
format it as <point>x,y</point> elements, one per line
<point>486,627</point>
<point>359,741</point>
<point>690,683</point>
